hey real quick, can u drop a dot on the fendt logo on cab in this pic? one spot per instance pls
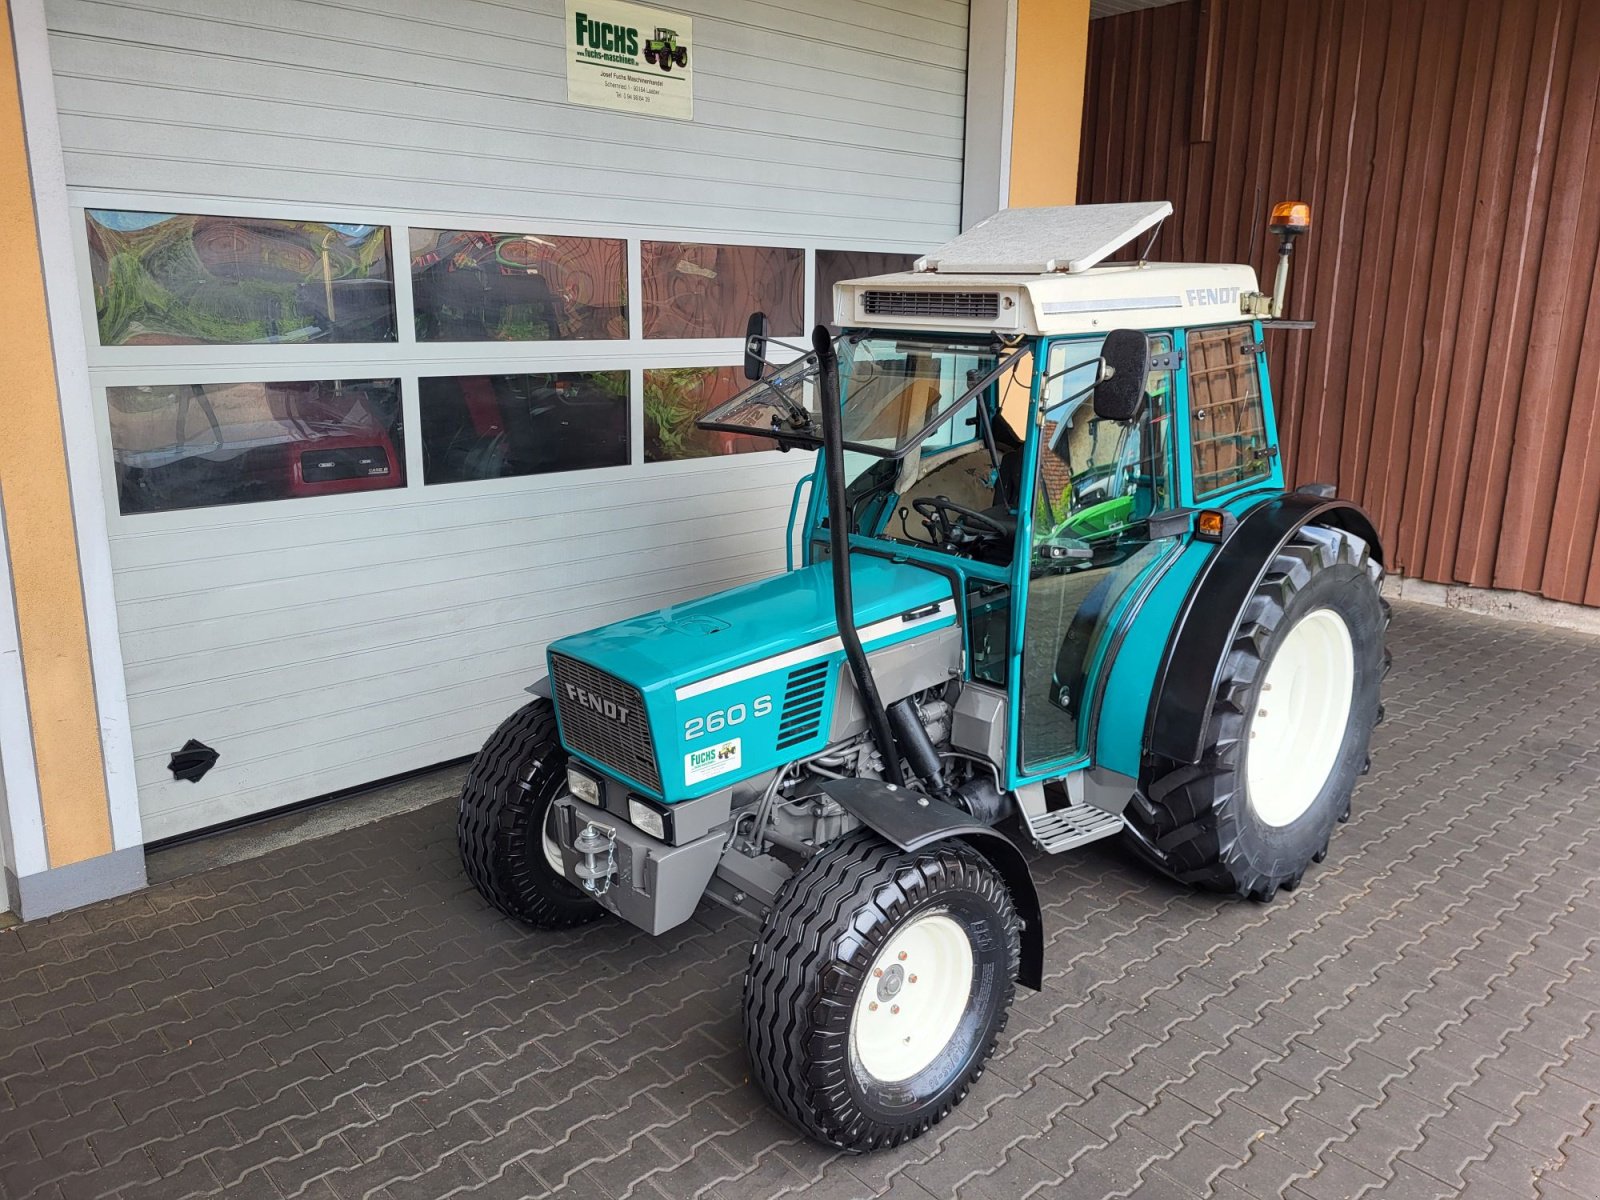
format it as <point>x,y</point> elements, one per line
<point>1212,295</point>
<point>596,703</point>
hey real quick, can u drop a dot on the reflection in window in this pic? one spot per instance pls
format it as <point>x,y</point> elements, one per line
<point>196,444</point>
<point>834,266</point>
<point>495,426</point>
<point>1096,476</point>
<point>676,397</point>
<point>703,291</point>
<point>517,287</point>
<point>162,279</point>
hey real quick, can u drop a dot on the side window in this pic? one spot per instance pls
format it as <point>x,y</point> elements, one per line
<point>1095,477</point>
<point>1226,424</point>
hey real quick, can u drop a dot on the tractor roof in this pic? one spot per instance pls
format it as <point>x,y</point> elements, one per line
<point>1040,271</point>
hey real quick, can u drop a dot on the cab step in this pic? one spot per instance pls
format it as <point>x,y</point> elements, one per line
<point>1072,826</point>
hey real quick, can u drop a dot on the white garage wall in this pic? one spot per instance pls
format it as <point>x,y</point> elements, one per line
<point>823,118</point>
<point>322,643</point>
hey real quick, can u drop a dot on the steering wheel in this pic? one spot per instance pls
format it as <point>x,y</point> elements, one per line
<point>957,526</point>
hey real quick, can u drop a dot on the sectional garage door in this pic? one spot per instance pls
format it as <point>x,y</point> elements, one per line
<point>397,353</point>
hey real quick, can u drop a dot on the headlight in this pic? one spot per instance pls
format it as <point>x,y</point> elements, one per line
<point>584,787</point>
<point>647,819</point>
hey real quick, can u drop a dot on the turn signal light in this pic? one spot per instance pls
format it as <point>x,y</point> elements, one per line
<point>1292,217</point>
<point>1210,525</point>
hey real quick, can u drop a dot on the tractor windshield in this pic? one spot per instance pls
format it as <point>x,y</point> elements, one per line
<point>898,390</point>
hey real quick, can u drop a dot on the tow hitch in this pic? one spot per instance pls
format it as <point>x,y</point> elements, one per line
<point>598,847</point>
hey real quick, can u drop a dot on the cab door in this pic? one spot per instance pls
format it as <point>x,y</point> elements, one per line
<point>1083,545</point>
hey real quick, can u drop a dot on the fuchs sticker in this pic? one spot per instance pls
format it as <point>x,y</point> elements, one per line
<point>699,765</point>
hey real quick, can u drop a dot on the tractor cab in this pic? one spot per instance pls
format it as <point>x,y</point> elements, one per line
<point>1044,459</point>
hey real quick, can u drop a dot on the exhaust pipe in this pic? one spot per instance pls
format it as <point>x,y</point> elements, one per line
<point>844,607</point>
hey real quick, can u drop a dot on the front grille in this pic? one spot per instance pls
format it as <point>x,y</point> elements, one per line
<point>802,705</point>
<point>976,306</point>
<point>589,702</point>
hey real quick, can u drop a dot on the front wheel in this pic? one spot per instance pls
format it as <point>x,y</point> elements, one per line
<point>504,823</point>
<point>666,61</point>
<point>878,987</point>
<point>1291,721</point>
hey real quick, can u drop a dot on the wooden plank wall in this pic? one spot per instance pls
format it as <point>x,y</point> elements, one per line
<point>1451,152</point>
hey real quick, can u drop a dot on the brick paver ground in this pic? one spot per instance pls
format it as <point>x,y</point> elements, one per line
<point>345,1018</point>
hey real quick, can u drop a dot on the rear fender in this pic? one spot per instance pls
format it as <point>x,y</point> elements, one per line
<point>911,820</point>
<point>1186,680</point>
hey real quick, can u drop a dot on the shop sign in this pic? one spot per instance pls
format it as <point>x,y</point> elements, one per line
<point>631,58</point>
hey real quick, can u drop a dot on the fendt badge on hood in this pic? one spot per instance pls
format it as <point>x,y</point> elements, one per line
<point>599,704</point>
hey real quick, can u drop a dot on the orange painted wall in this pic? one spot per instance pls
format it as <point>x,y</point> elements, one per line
<point>1047,111</point>
<point>39,525</point>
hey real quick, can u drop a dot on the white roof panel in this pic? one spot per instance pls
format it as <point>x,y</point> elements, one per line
<point>1043,241</point>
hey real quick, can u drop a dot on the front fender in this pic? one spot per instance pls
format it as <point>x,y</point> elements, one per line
<point>911,820</point>
<point>1185,684</point>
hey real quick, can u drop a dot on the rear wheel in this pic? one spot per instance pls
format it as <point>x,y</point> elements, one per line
<point>504,825</point>
<point>1291,722</point>
<point>878,987</point>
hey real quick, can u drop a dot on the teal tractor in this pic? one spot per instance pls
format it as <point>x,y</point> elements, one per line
<point>662,49</point>
<point>1050,588</point>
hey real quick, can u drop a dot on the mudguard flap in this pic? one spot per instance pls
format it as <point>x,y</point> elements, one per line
<point>1186,681</point>
<point>911,820</point>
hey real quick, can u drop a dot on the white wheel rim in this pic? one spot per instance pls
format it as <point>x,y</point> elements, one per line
<point>1299,723</point>
<point>914,998</point>
<point>552,852</point>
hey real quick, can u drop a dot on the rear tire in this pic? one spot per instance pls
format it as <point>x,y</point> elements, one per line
<point>860,1060</point>
<point>502,824</point>
<point>1290,727</point>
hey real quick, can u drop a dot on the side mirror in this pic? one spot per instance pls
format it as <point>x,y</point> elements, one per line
<point>1124,371</point>
<point>755,346</point>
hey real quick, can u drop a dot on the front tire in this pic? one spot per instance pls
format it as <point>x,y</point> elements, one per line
<point>1291,723</point>
<point>503,823</point>
<point>878,987</point>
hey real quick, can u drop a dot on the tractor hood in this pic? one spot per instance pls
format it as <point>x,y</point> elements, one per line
<point>684,701</point>
<point>745,625</point>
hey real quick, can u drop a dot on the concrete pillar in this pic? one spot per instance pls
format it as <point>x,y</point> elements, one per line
<point>71,829</point>
<point>1025,80</point>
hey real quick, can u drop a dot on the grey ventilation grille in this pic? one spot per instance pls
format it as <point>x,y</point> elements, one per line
<point>802,704</point>
<point>603,717</point>
<point>972,306</point>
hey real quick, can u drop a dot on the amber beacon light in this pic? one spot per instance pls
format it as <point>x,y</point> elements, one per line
<point>1289,220</point>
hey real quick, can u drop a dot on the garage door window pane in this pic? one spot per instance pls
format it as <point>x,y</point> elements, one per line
<point>163,279</point>
<point>191,445</point>
<point>494,426</point>
<point>676,397</point>
<point>694,290</point>
<point>517,287</point>
<point>836,265</point>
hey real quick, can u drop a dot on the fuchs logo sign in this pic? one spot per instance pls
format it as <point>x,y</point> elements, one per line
<point>700,765</point>
<point>595,702</point>
<point>631,58</point>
